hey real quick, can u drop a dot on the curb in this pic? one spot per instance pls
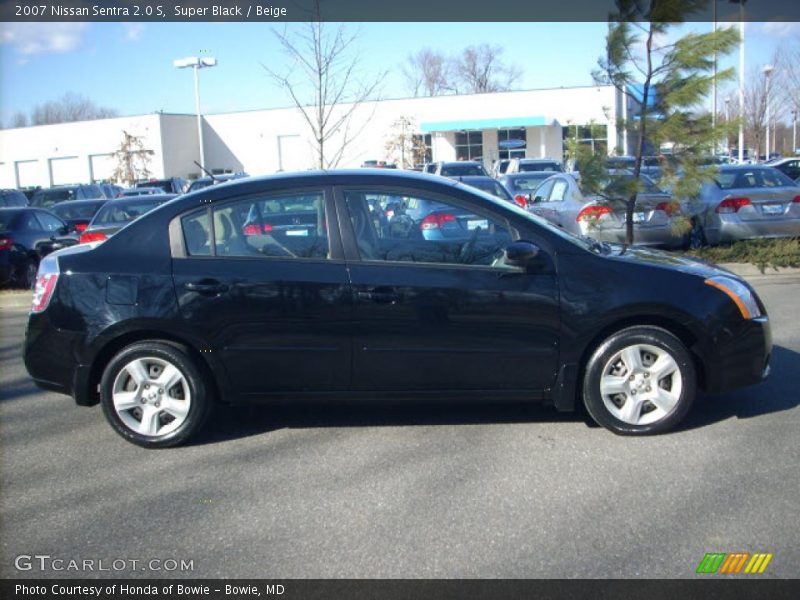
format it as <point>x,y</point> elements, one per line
<point>747,270</point>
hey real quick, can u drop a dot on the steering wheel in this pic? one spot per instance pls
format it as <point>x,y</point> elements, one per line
<point>469,247</point>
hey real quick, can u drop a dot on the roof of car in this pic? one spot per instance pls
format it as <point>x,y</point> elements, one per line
<point>142,198</point>
<point>83,202</point>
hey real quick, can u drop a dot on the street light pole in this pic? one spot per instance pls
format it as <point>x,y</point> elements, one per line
<point>767,72</point>
<point>727,131</point>
<point>741,77</point>
<point>714,86</point>
<point>196,64</point>
<point>794,131</point>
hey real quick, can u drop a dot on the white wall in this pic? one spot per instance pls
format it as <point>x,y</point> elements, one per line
<point>180,146</point>
<point>48,143</point>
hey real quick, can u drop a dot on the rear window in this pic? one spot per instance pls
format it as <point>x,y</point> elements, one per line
<point>47,198</point>
<point>67,210</point>
<point>13,198</point>
<point>118,212</point>
<point>200,184</point>
<point>525,167</point>
<point>462,170</point>
<point>7,219</point>
<point>752,178</point>
<point>165,185</point>
<point>530,183</point>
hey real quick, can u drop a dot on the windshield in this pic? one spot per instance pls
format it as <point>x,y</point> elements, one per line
<point>490,186</point>
<point>620,181</point>
<point>752,178</point>
<point>118,212</point>
<point>69,210</point>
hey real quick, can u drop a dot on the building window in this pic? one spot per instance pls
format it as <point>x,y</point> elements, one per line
<point>469,145</point>
<point>423,148</point>
<point>593,135</point>
<point>504,135</point>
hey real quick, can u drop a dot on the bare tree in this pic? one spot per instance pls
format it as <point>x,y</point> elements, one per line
<point>70,107</point>
<point>479,69</point>
<point>404,146</point>
<point>428,73</point>
<point>19,119</point>
<point>132,160</point>
<point>329,90</point>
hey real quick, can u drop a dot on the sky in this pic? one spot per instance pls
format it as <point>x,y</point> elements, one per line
<point>128,66</point>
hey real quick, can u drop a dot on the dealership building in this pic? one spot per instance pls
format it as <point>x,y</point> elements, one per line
<point>529,123</point>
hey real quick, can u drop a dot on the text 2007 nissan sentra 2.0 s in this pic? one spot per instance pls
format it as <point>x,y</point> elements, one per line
<point>375,285</point>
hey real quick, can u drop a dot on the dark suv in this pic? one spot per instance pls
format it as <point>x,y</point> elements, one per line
<point>12,198</point>
<point>45,198</point>
<point>171,185</point>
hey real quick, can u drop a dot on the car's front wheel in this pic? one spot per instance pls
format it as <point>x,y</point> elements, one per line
<point>154,395</point>
<point>639,381</point>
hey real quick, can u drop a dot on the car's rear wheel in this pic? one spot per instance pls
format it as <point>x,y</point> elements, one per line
<point>27,275</point>
<point>639,381</point>
<point>154,395</point>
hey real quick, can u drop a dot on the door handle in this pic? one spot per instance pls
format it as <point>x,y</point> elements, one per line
<point>380,296</point>
<point>206,287</point>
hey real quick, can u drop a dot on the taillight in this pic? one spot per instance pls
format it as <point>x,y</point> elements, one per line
<point>593,212</point>
<point>6,243</point>
<point>436,220</point>
<point>732,205</point>
<point>252,229</point>
<point>46,280</point>
<point>671,208</point>
<point>389,214</point>
<point>796,199</point>
<point>521,200</point>
<point>81,227</point>
<point>92,236</point>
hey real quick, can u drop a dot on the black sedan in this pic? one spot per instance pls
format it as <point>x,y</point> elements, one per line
<point>116,214</point>
<point>77,213</point>
<point>205,300</point>
<point>27,235</point>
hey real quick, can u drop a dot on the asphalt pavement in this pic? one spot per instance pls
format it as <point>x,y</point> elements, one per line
<point>408,491</point>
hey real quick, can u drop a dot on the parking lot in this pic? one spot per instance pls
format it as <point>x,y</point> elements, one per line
<point>408,491</point>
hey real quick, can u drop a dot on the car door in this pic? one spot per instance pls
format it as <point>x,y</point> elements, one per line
<point>436,307</point>
<point>262,280</point>
<point>539,197</point>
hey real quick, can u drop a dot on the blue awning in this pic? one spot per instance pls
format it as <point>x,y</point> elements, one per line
<point>496,123</point>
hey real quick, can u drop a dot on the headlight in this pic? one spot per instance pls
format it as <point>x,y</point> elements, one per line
<point>739,293</point>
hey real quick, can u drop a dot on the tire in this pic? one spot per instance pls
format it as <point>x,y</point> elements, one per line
<point>696,238</point>
<point>637,407</point>
<point>159,381</point>
<point>27,275</point>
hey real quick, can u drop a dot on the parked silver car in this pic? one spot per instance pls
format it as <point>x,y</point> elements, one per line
<point>747,201</point>
<point>560,200</point>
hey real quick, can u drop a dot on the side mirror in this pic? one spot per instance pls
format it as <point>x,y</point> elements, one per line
<point>63,230</point>
<point>537,199</point>
<point>521,253</point>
